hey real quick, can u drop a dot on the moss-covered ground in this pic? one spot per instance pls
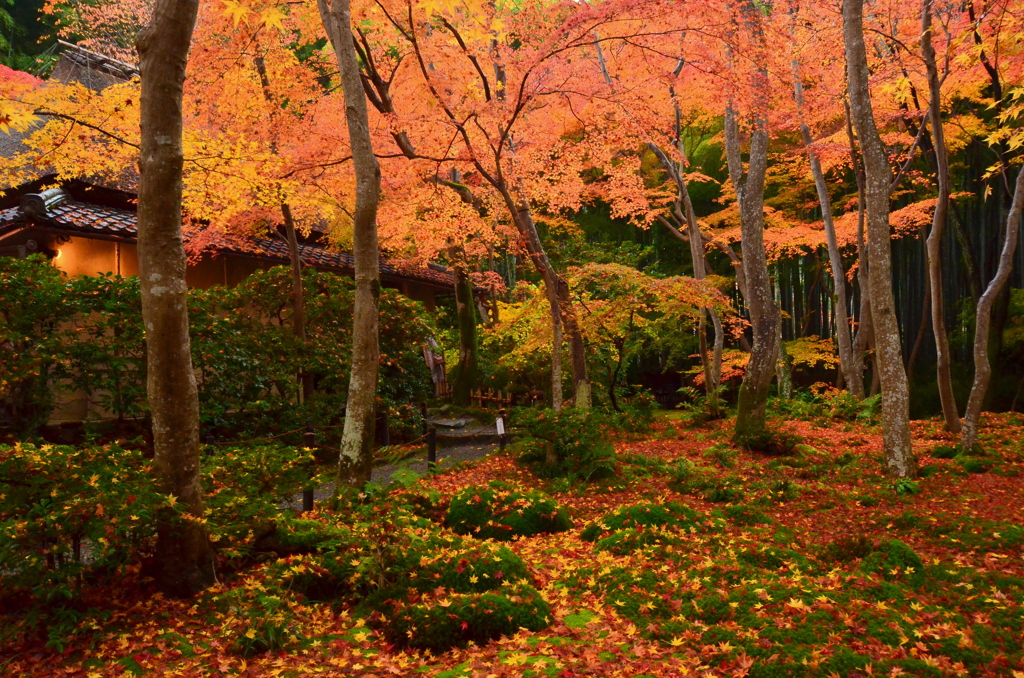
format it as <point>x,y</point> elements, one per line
<point>700,559</point>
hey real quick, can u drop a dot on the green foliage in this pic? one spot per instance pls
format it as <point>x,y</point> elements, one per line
<point>31,307</point>
<point>906,486</point>
<point>58,502</point>
<point>973,464</point>
<point>644,515</point>
<point>258,620</point>
<point>502,511</point>
<point>455,621</point>
<point>944,452</point>
<point>893,559</point>
<point>244,486</point>
<point>634,527</point>
<point>688,478</point>
<point>85,336</point>
<point>772,442</point>
<point>577,437</point>
<point>746,515</point>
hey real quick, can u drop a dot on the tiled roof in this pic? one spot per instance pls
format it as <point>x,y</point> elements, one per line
<point>66,214</point>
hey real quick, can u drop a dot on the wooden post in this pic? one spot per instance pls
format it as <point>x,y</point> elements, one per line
<point>431,448</point>
<point>307,494</point>
<point>426,416</point>
<point>502,436</point>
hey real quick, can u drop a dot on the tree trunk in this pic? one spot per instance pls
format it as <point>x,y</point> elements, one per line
<point>899,457</point>
<point>291,237</point>
<point>356,458</point>
<point>764,312</point>
<point>298,296</point>
<point>184,555</point>
<point>558,294</point>
<point>713,367</point>
<point>843,338</point>
<point>467,370</point>
<point>864,327</point>
<point>934,242</point>
<point>983,319</point>
<point>556,357</point>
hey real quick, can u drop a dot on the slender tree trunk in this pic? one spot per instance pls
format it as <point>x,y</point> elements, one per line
<point>713,366</point>
<point>934,242</point>
<point>298,295</point>
<point>864,328</point>
<point>356,458</point>
<point>184,555</point>
<point>764,312</point>
<point>298,300</point>
<point>843,339</point>
<point>558,293</point>
<point>899,457</point>
<point>556,357</point>
<point>467,370</point>
<point>983,319</point>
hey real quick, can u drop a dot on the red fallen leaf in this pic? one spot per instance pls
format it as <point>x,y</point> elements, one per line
<point>464,626</point>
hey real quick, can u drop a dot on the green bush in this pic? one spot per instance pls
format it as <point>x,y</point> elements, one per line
<point>55,500</point>
<point>244,487</point>
<point>501,511</point>
<point>365,571</point>
<point>460,619</point>
<point>973,464</point>
<point>258,620</point>
<point>578,440</point>
<point>85,335</point>
<point>32,307</point>
<point>632,539</point>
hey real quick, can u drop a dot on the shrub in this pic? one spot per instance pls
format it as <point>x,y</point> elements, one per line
<point>259,620</point>
<point>632,539</point>
<point>31,307</point>
<point>577,438</point>
<point>244,487</point>
<point>721,453</point>
<point>56,499</point>
<point>500,511</point>
<point>359,570</point>
<point>85,335</point>
<point>457,620</point>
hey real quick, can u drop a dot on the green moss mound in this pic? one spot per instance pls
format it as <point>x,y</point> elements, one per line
<point>503,512</point>
<point>894,560</point>
<point>643,515</point>
<point>415,563</point>
<point>457,620</point>
<point>741,514</point>
<point>634,527</point>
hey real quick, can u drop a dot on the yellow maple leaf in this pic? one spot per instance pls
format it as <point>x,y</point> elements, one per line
<point>237,11</point>
<point>272,18</point>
